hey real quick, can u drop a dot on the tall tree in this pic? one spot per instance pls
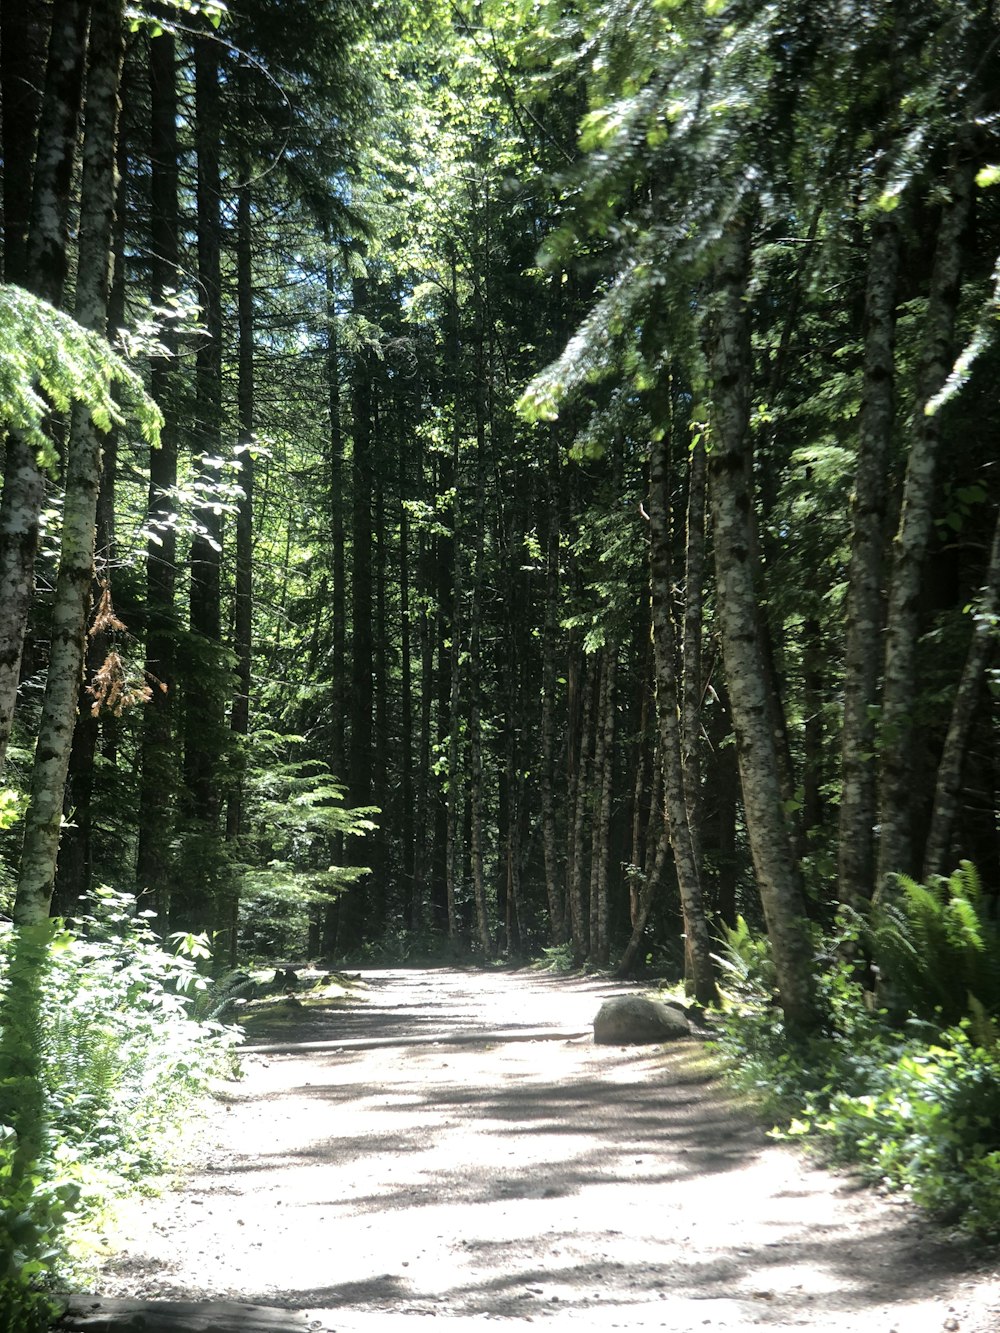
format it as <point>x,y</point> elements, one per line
<point>83,478</point>
<point>44,271</point>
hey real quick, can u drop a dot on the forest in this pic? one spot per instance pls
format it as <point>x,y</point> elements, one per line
<point>507,479</point>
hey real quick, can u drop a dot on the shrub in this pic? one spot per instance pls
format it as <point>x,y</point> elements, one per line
<point>99,1064</point>
<point>916,1107</point>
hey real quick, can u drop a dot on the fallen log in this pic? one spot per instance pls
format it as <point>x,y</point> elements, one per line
<point>103,1314</point>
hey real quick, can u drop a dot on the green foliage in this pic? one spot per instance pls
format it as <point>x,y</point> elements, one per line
<point>557,958</point>
<point>916,1114</point>
<point>47,360</point>
<point>99,1063</point>
<point>745,962</point>
<point>293,854</point>
<point>930,1124</point>
<point>936,947</point>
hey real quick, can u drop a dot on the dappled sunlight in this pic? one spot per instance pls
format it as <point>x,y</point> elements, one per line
<point>523,1180</point>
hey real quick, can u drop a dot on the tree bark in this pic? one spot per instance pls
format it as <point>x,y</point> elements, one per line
<point>76,564</point>
<point>668,711</point>
<point>863,612</point>
<point>554,879</point>
<point>963,711</point>
<point>23,39</point>
<point>193,900</point>
<point>896,852</point>
<point>74,867</point>
<point>351,913</point>
<point>600,846</point>
<point>729,359</point>
<point>692,686</point>
<point>45,264</point>
<point>579,748</point>
<point>158,763</point>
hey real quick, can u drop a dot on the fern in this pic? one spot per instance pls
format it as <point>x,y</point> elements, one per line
<point>745,961</point>
<point>937,949</point>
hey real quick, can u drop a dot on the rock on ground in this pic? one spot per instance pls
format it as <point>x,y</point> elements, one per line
<point>635,1020</point>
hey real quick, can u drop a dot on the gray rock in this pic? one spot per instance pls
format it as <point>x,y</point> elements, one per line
<point>632,1020</point>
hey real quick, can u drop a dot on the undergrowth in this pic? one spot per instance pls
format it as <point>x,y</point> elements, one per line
<point>100,1063</point>
<point>911,1096</point>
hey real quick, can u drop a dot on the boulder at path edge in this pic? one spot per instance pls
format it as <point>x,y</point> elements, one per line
<point>633,1020</point>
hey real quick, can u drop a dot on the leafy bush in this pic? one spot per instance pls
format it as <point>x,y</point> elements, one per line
<point>931,1125</point>
<point>99,1063</point>
<point>918,1108</point>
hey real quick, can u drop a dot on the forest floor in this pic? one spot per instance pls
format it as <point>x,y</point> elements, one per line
<point>543,1181</point>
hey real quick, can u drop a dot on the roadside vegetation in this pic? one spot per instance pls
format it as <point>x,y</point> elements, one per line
<point>903,1080</point>
<point>104,1055</point>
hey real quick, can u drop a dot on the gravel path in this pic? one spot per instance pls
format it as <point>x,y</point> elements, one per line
<point>531,1181</point>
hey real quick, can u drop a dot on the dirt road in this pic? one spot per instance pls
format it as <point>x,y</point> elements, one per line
<point>545,1181</point>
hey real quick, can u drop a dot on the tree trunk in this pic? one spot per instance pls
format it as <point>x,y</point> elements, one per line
<point>23,38</point>
<point>729,358</point>
<point>338,576</point>
<point>227,913</point>
<point>351,912</point>
<point>668,711</point>
<point>600,848</point>
<point>554,879</point>
<point>159,775</point>
<point>579,744</point>
<point>475,684</point>
<point>76,563</point>
<point>963,711</point>
<point>916,521</point>
<point>654,868</point>
<point>193,902</point>
<point>456,774</point>
<point>75,863</point>
<point>45,266</point>
<point>863,612</point>
<point>408,825</point>
<point>692,686</point>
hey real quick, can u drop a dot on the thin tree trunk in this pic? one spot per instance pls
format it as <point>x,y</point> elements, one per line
<point>204,736</point>
<point>45,266</point>
<point>692,687</point>
<point>338,576</point>
<point>75,863</point>
<point>408,825</point>
<point>668,711</point>
<point>76,564</point>
<point>963,712</point>
<point>637,854</point>
<point>863,612</point>
<point>579,747</point>
<point>475,650</point>
<point>916,521</point>
<point>376,902</point>
<point>227,912</point>
<point>239,715</point>
<point>351,903</point>
<point>456,776</point>
<point>656,859</point>
<point>550,638</point>
<point>23,40</point>
<point>729,356</point>
<point>159,776</point>
<point>600,854</point>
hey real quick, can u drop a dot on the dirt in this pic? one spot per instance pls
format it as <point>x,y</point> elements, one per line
<point>533,1181</point>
